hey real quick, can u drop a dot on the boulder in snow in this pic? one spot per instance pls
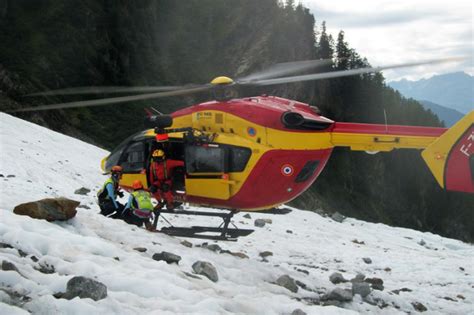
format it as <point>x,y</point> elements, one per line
<point>287,282</point>
<point>419,307</point>
<point>247,216</point>
<point>84,288</point>
<point>338,294</point>
<point>259,222</point>
<point>265,254</point>
<point>206,269</point>
<point>377,283</point>
<point>298,312</point>
<point>336,216</point>
<point>8,266</point>
<point>367,260</point>
<point>336,278</point>
<point>168,257</point>
<point>82,191</point>
<point>361,288</point>
<point>50,209</point>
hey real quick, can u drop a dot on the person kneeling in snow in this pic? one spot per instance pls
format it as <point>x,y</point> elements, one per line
<point>107,195</point>
<point>139,208</point>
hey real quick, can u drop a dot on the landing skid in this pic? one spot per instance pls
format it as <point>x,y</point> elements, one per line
<point>222,232</point>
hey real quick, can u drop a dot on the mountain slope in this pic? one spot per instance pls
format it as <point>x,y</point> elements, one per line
<point>38,163</point>
<point>452,90</point>
<point>448,115</point>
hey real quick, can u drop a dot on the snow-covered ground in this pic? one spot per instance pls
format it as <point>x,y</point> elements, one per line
<point>37,163</point>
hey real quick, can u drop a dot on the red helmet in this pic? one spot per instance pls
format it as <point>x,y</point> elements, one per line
<point>116,169</point>
<point>161,137</point>
<point>137,184</point>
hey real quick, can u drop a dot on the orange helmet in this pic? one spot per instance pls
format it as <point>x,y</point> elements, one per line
<point>161,137</point>
<point>137,184</point>
<point>116,169</point>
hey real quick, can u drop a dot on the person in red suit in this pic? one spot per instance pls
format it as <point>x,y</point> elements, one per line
<point>161,171</point>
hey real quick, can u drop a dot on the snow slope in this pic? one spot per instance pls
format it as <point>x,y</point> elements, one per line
<point>438,272</point>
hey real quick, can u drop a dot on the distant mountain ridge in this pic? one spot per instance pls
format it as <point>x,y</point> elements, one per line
<point>448,115</point>
<point>453,90</point>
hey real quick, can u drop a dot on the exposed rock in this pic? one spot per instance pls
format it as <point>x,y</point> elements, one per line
<point>238,254</point>
<point>289,231</point>
<point>84,207</point>
<point>247,216</point>
<point>187,244</point>
<point>84,288</point>
<point>82,191</point>
<point>336,216</point>
<point>5,245</point>
<point>306,272</point>
<point>356,241</point>
<point>34,258</point>
<point>336,278</point>
<point>397,292</point>
<point>298,312</point>
<point>140,249</point>
<point>358,278</point>
<point>46,268</point>
<point>361,288</point>
<point>422,242</point>
<point>268,221</point>
<point>259,223</point>
<point>206,269</point>
<point>213,247</point>
<point>460,296</point>
<point>265,254</point>
<point>367,260</point>
<point>377,283</point>
<point>338,294</point>
<point>117,258</point>
<point>168,257</point>
<point>287,282</point>
<point>419,307</point>
<point>50,209</point>
<point>8,266</point>
<point>10,176</point>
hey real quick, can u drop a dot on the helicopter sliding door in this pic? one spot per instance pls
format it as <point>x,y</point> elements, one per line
<point>205,167</point>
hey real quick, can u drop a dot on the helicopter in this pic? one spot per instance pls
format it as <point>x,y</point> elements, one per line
<point>257,153</point>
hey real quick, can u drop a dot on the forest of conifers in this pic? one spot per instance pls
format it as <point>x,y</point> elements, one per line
<point>53,44</point>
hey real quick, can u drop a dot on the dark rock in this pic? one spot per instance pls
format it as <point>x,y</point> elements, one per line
<point>336,216</point>
<point>239,254</point>
<point>358,278</point>
<point>419,307</point>
<point>213,247</point>
<point>117,259</point>
<point>387,269</point>
<point>8,266</point>
<point>247,216</point>
<point>377,283</point>
<point>298,312</point>
<point>5,245</point>
<point>22,253</point>
<point>1,175</point>
<point>33,258</point>
<point>361,288</point>
<point>358,242</point>
<point>187,244</point>
<point>265,254</point>
<point>336,278</point>
<point>460,296</point>
<point>367,260</point>
<point>206,269</point>
<point>287,282</point>
<point>422,242</point>
<point>340,295</point>
<point>168,257</point>
<point>46,268</point>
<point>397,292</point>
<point>84,207</point>
<point>306,272</point>
<point>289,231</point>
<point>10,176</point>
<point>140,249</point>
<point>49,209</point>
<point>82,191</point>
<point>259,223</point>
<point>84,288</point>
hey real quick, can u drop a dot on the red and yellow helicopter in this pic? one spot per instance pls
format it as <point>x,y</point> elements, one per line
<point>256,153</point>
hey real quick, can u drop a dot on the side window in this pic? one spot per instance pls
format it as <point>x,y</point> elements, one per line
<point>114,157</point>
<point>134,158</point>
<point>205,159</point>
<point>238,158</point>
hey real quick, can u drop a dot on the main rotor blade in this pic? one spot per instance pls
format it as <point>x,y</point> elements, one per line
<point>84,90</point>
<point>344,73</point>
<point>115,100</point>
<point>284,68</point>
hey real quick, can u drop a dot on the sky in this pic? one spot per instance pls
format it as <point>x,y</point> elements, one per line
<point>397,31</point>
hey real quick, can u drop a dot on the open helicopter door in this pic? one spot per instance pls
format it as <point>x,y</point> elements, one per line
<point>205,166</point>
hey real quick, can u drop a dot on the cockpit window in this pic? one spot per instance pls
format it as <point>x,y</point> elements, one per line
<point>205,159</point>
<point>134,158</point>
<point>114,157</point>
